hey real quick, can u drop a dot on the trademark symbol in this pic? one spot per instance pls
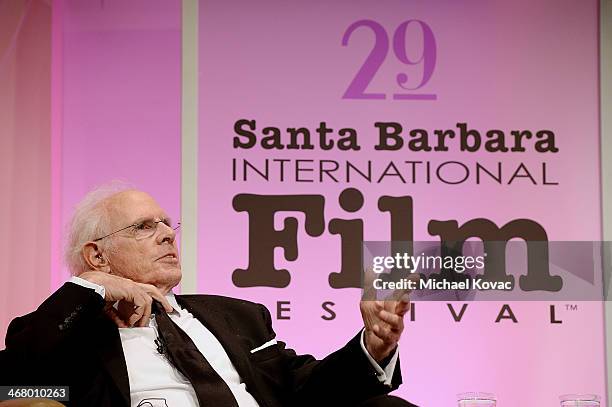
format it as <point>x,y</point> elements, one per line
<point>571,307</point>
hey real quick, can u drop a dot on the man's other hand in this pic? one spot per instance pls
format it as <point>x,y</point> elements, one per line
<point>384,324</point>
<point>134,299</point>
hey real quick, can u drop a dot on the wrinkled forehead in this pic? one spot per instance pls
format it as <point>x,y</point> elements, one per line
<point>131,206</point>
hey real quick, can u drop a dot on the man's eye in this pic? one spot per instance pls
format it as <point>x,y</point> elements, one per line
<point>143,226</point>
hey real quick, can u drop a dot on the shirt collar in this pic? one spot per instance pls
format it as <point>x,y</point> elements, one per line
<point>172,300</point>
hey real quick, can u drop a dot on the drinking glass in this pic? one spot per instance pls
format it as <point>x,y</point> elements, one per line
<point>476,399</point>
<point>580,400</point>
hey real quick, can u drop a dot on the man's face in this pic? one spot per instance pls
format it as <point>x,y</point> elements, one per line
<point>152,260</point>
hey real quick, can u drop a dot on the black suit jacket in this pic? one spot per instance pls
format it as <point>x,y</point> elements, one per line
<point>69,340</point>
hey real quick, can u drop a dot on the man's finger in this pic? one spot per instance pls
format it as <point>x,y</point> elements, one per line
<point>369,292</point>
<point>114,316</point>
<point>139,302</point>
<point>397,294</point>
<point>385,334</point>
<point>118,321</point>
<point>146,316</point>
<point>403,305</point>
<point>400,293</point>
<point>163,301</point>
<point>394,320</point>
<point>157,295</point>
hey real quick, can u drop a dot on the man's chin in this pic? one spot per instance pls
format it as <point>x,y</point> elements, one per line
<point>178,275</point>
<point>170,276</point>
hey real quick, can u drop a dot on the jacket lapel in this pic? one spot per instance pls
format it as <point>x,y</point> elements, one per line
<point>220,326</point>
<point>110,351</point>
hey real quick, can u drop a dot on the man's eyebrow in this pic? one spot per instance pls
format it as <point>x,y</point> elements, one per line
<point>144,218</point>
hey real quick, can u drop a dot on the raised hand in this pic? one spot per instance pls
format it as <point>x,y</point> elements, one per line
<point>384,324</point>
<point>383,319</point>
<point>135,299</point>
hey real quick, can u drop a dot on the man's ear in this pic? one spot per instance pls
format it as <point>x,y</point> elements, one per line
<point>94,258</point>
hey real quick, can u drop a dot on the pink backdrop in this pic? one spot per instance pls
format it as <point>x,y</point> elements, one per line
<point>91,93</point>
<point>120,100</point>
<point>500,65</point>
<point>116,115</point>
<point>25,160</point>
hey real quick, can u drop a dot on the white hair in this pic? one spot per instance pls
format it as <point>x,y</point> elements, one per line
<point>90,221</point>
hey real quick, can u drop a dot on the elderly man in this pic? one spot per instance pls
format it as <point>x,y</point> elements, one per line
<point>118,336</point>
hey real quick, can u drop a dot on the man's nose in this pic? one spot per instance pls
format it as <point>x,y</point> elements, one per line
<point>165,233</point>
